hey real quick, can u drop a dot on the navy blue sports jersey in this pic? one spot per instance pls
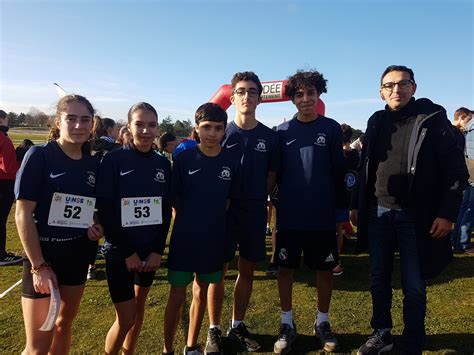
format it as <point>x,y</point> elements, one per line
<point>202,185</point>
<point>47,169</point>
<point>127,173</point>
<point>312,174</point>
<point>258,148</point>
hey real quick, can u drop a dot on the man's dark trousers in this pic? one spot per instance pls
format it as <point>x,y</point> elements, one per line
<point>387,229</point>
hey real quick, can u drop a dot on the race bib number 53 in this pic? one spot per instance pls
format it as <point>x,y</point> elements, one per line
<point>141,211</point>
<point>71,211</point>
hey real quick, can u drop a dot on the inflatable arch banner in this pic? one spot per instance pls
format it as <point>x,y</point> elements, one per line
<point>273,91</point>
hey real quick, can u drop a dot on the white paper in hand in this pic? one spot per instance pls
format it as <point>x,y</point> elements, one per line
<point>54,303</point>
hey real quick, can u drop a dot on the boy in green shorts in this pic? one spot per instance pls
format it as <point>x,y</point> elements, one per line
<point>203,178</point>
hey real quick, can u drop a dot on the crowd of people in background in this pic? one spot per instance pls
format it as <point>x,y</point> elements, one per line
<point>402,183</point>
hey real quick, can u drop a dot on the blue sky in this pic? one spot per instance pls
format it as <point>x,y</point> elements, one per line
<point>176,54</point>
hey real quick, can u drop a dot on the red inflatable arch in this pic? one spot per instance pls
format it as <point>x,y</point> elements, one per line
<point>273,91</point>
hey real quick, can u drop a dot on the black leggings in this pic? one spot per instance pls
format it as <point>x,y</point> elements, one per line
<point>7,197</point>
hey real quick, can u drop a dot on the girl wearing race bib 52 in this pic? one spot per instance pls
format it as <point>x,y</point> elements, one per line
<point>54,189</point>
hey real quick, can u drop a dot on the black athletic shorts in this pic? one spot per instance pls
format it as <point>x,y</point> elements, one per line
<point>246,227</point>
<point>121,281</point>
<point>318,247</point>
<point>68,259</point>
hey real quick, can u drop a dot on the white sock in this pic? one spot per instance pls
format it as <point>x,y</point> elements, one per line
<point>235,323</point>
<point>287,317</point>
<point>321,317</point>
<point>218,326</point>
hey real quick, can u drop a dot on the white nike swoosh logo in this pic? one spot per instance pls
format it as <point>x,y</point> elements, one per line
<point>231,145</point>
<point>289,142</point>
<point>126,172</point>
<point>54,176</point>
<point>191,172</point>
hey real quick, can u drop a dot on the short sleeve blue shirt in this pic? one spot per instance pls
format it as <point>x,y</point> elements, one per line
<point>126,173</point>
<point>47,169</point>
<point>259,152</point>
<point>202,185</point>
<point>311,157</point>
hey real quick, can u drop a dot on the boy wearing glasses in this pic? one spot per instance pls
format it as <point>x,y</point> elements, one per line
<point>311,186</point>
<point>411,178</point>
<point>254,144</point>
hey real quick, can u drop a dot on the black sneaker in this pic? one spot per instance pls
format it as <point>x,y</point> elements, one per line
<point>377,343</point>
<point>272,269</point>
<point>213,343</point>
<point>286,337</point>
<point>242,337</point>
<point>327,337</point>
<point>188,351</point>
<point>10,259</point>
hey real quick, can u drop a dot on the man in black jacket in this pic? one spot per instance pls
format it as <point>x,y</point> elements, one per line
<point>412,174</point>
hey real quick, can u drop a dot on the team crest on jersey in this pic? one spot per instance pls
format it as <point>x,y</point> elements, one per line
<point>160,175</point>
<point>350,180</point>
<point>320,140</point>
<point>90,178</point>
<point>225,173</point>
<point>282,254</point>
<point>261,146</point>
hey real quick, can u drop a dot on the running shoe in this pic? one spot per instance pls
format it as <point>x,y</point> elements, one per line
<point>338,270</point>
<point>213,343</point>
<point>10,259</point>
<point>286,338</point>
<point>187,351</point>
<point>242,337</point>
<point>327,337</point>
<point>272,269</point>
<point>377,343</point>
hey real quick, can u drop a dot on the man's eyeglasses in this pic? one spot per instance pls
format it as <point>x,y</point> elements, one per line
<point>402,84</point>
<point>250,92</point>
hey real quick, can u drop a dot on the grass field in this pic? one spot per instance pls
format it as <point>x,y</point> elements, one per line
<point>17,136</point>
<point>449,322</point>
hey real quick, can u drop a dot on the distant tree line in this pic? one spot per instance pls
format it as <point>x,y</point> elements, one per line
<point>180,128</point>
<point>37,118</point>
<point>34,118</point>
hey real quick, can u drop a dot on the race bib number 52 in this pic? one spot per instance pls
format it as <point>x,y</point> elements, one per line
<point>141,211</point>
<point>71,211</point>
